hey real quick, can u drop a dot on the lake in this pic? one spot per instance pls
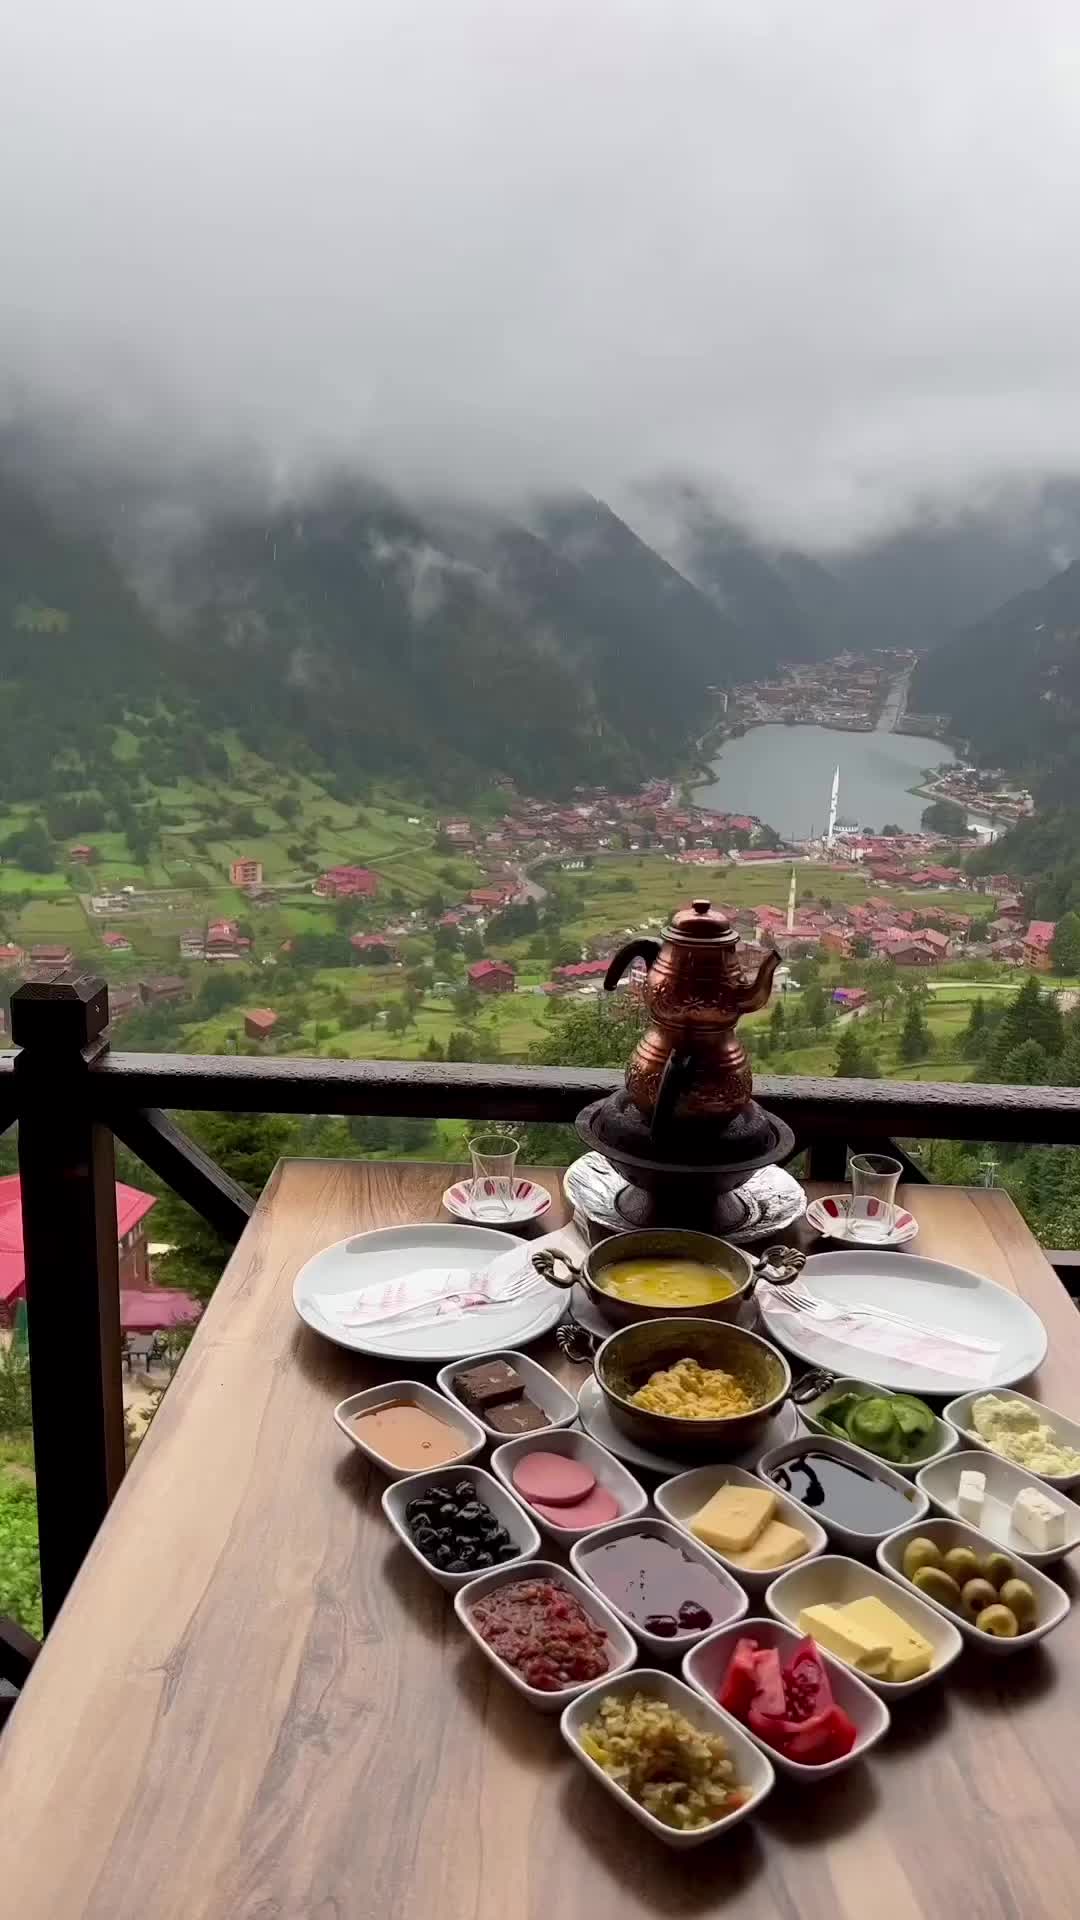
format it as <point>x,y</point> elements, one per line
<point>784,776</point>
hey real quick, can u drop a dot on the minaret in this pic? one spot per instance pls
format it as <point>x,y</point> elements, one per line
<point>791,904</point>
<point>834,797</point>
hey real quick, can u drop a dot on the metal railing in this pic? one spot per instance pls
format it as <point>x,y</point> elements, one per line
<point>73,1096</point>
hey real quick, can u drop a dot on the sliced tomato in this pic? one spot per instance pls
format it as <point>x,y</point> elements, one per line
<point>806,1683</point>
<point>828,1736</point>
<point>739,1684</point>
<point>770,1700</point>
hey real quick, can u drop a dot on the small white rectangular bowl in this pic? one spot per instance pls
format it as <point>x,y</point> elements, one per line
<point>834,1580</point>
<point>1003,1482</point>
<point>1064,1430</point>
<point>679,1499</point>
<point>415,1393</point>
<point>1051,1601</point>
<point>507,1512</point>
<point>575,1445</point>
<point>661,1647</point>
<point>621,1645</point>
<point>706,1664</point>
<point>848,1539</point>
<point>752,1769</point>
<point>943,1437</point>
<point>541,1386</point>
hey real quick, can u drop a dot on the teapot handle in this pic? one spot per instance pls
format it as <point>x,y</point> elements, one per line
<point>643,949</point>
<point>678,1068</point>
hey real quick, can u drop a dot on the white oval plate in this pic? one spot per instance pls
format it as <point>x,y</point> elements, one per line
<point>597,1421</point>
<point>931,1292</point>
<point>389,1253</point>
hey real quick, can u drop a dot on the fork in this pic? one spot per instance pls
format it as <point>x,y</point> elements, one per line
<point>464,1298</point>
<point>796,1296</point>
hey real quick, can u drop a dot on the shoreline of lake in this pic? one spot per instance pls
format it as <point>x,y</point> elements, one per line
<point>781,773</point>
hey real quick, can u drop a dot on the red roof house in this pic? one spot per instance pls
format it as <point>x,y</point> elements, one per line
<point>491,976</point>
<point>582,970</point>
<point>12,956</point>
<point>260,1024</point>
<point>246,873</point>
<point>51,956</point>
<point>373,943</point>
<point>116,942</point>
<point>347,883</point>
<point>132,1208</point>
<point>1037,943</point>
<point>82,855</point>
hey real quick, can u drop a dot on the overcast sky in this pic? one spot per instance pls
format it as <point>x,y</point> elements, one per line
<point>822,252</point>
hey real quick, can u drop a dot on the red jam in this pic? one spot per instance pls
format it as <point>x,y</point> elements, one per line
<point>543,1632</point>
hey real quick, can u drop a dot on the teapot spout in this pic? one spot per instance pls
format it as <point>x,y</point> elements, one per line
<point>755,992</point>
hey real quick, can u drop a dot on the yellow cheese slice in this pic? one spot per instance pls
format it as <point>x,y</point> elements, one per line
<point>775,1546</point>
<point>732,1520</point>
<point>909,1654</point>
<point>834,1629</point>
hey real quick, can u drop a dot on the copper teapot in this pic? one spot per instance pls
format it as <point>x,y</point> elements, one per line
<point>690,1064</point>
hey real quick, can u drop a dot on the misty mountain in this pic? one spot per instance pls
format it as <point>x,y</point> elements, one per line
<point>1010,684</point>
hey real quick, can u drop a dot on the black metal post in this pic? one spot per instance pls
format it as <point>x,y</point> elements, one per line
<point>68,1178</point>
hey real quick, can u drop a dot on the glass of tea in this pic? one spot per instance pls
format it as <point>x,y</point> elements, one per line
<point>494,1156</point>
<point>874,1176</point>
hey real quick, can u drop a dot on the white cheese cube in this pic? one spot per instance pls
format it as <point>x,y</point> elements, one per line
<point>970,1496</point>
<point>1039,1519</point>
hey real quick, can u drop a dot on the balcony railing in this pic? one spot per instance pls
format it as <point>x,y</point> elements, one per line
<point>72,1096</point>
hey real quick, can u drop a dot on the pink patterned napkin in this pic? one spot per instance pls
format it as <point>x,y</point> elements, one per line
<point>939,1352</point>
<point>436,1293</point>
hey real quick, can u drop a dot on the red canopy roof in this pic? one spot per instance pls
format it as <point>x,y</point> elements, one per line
<point>131,1207</point>
<point>151,1309</point>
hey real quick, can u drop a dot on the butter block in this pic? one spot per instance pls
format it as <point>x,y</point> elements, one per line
<point>834,1629</point>
<point>776,1546</point>
<point>970,1495</point>
<point>909,1654</point>
<point>1039,1519</point>
<point>732,1520</point>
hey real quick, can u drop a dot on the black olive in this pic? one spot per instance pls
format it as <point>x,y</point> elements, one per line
<point>447,1511</point>
<point>664,1624</point>
<point>425,1539</point>
<point>456,1566</point>
<point>416,1510</point>
<point>483,1560</point>
<point>693,1617</point>
<point>470,1514</point>
<point>465,1490</point>
<point>507,1551</point>
<point>445,1534</point>
<point>441,1555</point>
<point>499,1538</point>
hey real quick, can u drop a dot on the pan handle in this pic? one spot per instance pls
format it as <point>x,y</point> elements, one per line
<point>548,1261</point>
<point>779,1265</point>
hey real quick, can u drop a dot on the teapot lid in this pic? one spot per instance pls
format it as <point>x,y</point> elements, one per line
<point>701,921</point>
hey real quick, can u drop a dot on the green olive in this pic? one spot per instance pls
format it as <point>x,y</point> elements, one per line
<point>976,1596</point>
<point>963,1564</point>
<point>921,1553</point>
<point>997,1568</point>
<point>1019,1598</point>
<point>938,1585</point>
<point>998,1621</point>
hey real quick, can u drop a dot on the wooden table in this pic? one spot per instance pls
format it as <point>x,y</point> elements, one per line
<point>256,1707</point>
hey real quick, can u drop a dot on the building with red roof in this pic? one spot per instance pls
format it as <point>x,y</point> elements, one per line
<point>260,1023</point>
<point>373,943</point>
<point>1037,943</point>
<point>12,956</point>
<point>51,956</point>
<point>82,855</point>
<point>132,1207</point>
<point>582,970</point>
<point>116,942</point>
<point>246,873</point>
<point>347,883</point>
<point>492,976</point>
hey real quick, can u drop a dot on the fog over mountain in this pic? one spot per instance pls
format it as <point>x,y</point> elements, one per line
<point>816,259</point>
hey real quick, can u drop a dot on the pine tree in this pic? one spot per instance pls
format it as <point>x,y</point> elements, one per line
<point>973,1038</point>
<point>1032,1015</point>
<point>914,1034</point>
<point>1065,946</point>
<point>777,1024</point>
<point>1026,1066</point>
<point>853,1062</point>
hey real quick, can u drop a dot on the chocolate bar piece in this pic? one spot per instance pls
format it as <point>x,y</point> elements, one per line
<point>488,1386</point>
<point>517,1416</point>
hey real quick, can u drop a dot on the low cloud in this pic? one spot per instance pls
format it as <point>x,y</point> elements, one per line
<point>816,258</point>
